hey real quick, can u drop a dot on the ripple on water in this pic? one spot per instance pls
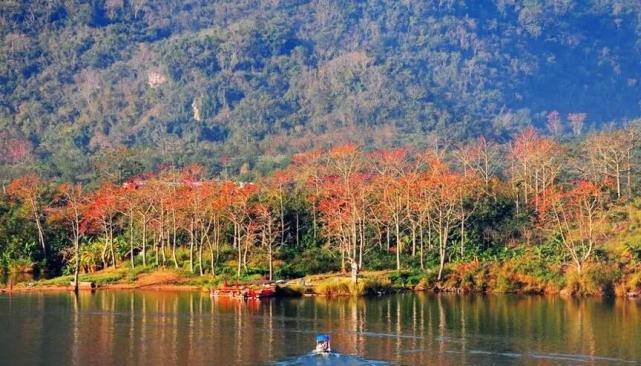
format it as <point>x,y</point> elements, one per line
<point>337,359</point>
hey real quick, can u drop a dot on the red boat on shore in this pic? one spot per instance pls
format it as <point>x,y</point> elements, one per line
<point>246,292</point>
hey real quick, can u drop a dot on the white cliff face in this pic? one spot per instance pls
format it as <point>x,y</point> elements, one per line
<point>155,79</point>
<point>196,110</point>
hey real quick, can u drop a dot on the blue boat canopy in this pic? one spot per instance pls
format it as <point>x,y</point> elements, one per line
<point>322,338</point>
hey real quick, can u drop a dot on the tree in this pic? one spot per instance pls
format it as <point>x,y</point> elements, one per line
<point>345,191</point>
<point>308,172</point>
<point>73,204</point>
<point>479,158</point>
<point>554,125</point>
<point>445,187</point>
<point>101,208</point>
<point>535,163</point>
<point>577,120</point>
<point>268,228</point>
<point>239,213</point>
<point>278,188</point>
<point>575,215</point>
<point>392,201</point>
<point>30,191</point>
<point>609,156</point>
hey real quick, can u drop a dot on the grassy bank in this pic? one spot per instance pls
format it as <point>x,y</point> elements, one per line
<point>128,278</point>
<point>521,275</point>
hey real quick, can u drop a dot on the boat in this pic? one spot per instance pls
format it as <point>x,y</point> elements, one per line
<point>323,344</point>
<point>246,292</point>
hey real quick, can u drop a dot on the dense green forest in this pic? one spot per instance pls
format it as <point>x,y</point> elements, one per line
<point>118,87</point>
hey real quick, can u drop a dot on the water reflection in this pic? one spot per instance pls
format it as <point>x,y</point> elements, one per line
<point>163,328</point>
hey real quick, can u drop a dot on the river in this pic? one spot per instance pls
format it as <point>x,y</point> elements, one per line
<point>185,328</point>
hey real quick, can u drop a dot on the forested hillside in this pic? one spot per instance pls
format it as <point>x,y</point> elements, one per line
<point>118,87</point>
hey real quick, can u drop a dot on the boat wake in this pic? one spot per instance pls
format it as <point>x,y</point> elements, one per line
<point>322,359</point>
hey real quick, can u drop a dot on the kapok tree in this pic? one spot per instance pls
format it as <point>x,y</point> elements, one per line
<point>535,163</point>
<point>609,157</point>
<point>444,187</point>
<point>345,168</point>
<point>269,231</point>
<point>479,158</point>
<point>307,170</point>
<point>277,188</point>
<point>71,208</point>
<point>101,211</point>
<point>239,213</point>
<point>392,204</point>
<point>29,190</point>
<point>575,215</point>
<point>336,215</point>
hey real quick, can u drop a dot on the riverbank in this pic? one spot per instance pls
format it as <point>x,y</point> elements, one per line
<point>467,277</point>
<point>331,284</point>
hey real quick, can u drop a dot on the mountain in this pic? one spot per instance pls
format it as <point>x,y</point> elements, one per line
<point>126,85</point>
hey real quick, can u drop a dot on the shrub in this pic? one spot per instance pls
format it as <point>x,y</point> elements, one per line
<point>406,278</point>
<point>334,287</point>
<point>20,265</point>
<point>467,276</point>
<point>503,281</point>
<point>310,261</point>
<point>595,279</point>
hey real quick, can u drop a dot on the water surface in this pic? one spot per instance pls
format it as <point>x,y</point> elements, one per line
<point>167,328</point>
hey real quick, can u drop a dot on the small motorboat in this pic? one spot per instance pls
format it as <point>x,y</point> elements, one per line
<point>323,344</point>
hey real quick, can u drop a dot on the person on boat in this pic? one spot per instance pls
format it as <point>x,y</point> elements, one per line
<point>323,344</point>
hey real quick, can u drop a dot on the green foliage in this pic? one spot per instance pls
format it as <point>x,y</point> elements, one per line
<point>309,261</point>
<point>20,265</point>
<point>208,281</point>
<point>379,260</point>
<point>101,278</point>
<point>346,286</point>
<point>81,79</point>
<point>133,273</point>
<point>633,248</point>
<point>406,278</point>
<point>596,279</point>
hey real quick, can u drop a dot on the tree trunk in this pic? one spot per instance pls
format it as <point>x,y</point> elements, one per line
<point>111,244</point>
<point>443,235</point>
<point>173,244</point>
<point>398,244</point>
<point>362,244</point>
<point>387,237</point>
<point>462,235</point>
<point>297,228</point>
<point>131,239</point>
<point>76,270</point>
<point>104,250</point>
<point>271,264</point>
<point>282,220</point>
<point>76,243</point>
<point>237,242</point>
<point>343,256</point>
<point>41,238</point>
<point>413,239</point>
<point>144,241</point>
<point>314,221</point>
<point>421,243</point>
<point>200,256</point>
<point>191,246</point>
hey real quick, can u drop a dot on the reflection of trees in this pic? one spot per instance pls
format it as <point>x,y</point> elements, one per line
<point>160,328</point>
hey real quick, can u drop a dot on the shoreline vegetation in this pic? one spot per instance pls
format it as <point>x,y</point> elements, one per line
<point>537,214</point>
<point>464,278</point>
